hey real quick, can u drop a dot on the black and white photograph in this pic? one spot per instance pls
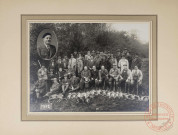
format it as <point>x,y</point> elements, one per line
<point>89,66</point>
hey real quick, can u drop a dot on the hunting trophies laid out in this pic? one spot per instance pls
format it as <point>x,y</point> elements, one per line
<point>88,96</point>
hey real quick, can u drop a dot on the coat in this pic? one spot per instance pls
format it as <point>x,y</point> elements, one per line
<point>47,53</point>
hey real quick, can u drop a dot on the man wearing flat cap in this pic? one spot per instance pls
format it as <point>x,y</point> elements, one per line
<point>74,83</point>
<point>115,77</point>
<point>47,51</point>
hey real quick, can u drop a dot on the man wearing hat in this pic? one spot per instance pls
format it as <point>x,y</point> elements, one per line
<point>65,84</point>
<point>72,63</point>
<point>52,65</point>
<point>103,77</point>
<point>47,51</point>
<point>60,74</point>
<point>59,63</point>
<point>74,83</point>
<point>136,80</point>
<point>123,61</point>
<point>115,77</point>
<point>85,78</point>
<point>126,81</point>
<point>118,56</point>
<point>75,54</point>
<point>94,78</point>
<point>79,66</point>
<point>136,62</point>
<point>93,53</point>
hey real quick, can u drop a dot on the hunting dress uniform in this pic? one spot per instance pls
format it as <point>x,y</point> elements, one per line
<point>103,78</point>
<point>114,77</point>
<point>85,79</point>
<point>94,78</point>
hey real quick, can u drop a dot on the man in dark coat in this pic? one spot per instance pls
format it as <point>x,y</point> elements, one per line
<point>47,51</point>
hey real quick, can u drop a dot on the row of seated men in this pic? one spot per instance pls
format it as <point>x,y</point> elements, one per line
<point>65,81</point>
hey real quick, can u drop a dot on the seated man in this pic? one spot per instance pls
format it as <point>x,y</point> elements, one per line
<point>40,88</point>
<point>136,80</point>
<point>115,77</point>
<point>65,84</point>
<point>126,82</point>
<point>74,83</point>
<point>85,78</point>
<point>103,77</point>
<point>54,88</point>
<point>94,78</point>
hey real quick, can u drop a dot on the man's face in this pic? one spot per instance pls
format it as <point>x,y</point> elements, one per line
<point>102,67</point>
<point>136,68</point>
<point>60,69</point>
<point>85,68</point>
<point>55,80</point>
<point>72,56</point>
<point>114,66</point>
<point>47,39</point>
<point>94,67</point>
<point>43,67</point>
<point>125,67</point>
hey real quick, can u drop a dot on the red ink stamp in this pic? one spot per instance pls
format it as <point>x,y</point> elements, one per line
<point>161,120</point>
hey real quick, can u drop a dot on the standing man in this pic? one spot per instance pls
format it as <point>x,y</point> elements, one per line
<point>52,65</point>
<point>126,81</point>
<point>123,61</point>
<point>129,58</point>
<point>136,81</point>
<point>85,78</point>
<point>103,77</point>
<point>72,63</point>
<point>115,77</point>
<point>119,56</point>
<point>79,66</point>
<point>136,62</point>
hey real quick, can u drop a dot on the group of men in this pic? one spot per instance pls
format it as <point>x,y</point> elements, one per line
<point>94,70</point>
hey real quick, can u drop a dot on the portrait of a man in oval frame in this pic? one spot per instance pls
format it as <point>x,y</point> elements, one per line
<point>47,44</point>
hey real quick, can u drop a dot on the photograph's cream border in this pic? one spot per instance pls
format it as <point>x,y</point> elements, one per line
<point>83,115</point>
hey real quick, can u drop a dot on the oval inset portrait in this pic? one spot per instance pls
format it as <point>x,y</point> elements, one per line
<point>47,44</point>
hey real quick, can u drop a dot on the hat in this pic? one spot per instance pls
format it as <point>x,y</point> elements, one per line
<point>73,74</point>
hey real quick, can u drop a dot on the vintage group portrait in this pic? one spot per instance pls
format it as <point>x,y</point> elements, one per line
<point>86,67</point>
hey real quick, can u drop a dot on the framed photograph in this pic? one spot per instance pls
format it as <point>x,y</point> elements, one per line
<point>89,67</point>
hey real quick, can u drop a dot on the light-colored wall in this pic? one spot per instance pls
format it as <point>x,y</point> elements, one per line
<point>10,58</point>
